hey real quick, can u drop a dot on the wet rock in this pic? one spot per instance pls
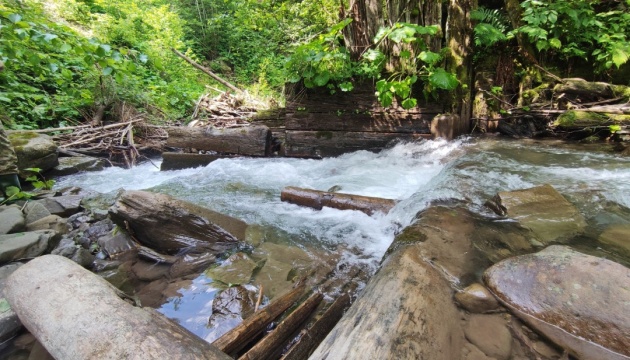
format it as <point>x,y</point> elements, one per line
<point>96,201</point>
<point>544,211</point>
<point>490,334</point>
<point>39,352</point>
<point>617,237</point>
<point>404,312</point>
<point>152,294</point>
<point>24,245</point>
<point>9,322</point>
<point>150,271</point>
<point>104,265</point>
<point>93,323</point>
<point>191,264</point>
<point>578,301</point>
<point>66,248</point>
<point>11,220</point>
<point>83,257</point>
<point>50,222</point>
<point>275,277</point>
<point>63,206</point>
<point>119,278</point>
<point>116,244</point>
<point>476,299</point>
<point>471,352</point>
<point>34,211</point>
<point>33,151</point>
<point>230,307</point>
<point>75,164</point>
<point>168,225</point>
<point>236,270</point>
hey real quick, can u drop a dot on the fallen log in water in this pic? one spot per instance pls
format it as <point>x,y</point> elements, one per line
<point>318,199</point>
<point>311,337</point>
<point>237,338</point>
<point>76,314</point>
<point>177,161</point>
<point>272,343</point>
<point>246,140</point>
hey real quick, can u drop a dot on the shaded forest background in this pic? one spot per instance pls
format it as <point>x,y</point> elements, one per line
<point>66,61</point>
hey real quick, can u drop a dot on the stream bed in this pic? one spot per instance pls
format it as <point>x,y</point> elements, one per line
<point>470,170</point>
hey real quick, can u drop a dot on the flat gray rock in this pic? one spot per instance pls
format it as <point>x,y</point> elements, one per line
<point>580,302</point>
<point>75,164</point>
<point>24,245</point>
<point>34,211</point>
<point>11,220</point>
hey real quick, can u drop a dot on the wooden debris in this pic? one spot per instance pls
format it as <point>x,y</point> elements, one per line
<point>318,199</point>
<point>310,338</point>
<point>248,140</point>
<point>207,71</point>
<point>237,338</point>
<point>272,343</point>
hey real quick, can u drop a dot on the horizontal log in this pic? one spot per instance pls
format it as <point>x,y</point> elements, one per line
<point>402,122</point>
<point>273,342</point>
<point>318,199</point>
<point>310,338</point>
<point>235,339</point>
<point>76,314</point>
<point>247,140</point>
<point>318,144</point>
<point>177,161</point>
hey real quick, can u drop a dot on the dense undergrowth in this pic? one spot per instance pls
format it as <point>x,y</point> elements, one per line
<point>63,59</point>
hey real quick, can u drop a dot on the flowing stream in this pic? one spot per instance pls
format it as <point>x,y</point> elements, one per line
<point>469,169</point>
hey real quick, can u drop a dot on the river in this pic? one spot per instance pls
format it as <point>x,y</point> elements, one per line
<point>472,170</point>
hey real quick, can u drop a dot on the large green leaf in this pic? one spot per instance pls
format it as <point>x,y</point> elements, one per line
<point>322,78</point>
<point>409,103</point>
<point>443,79</point>
<point>619,56</point>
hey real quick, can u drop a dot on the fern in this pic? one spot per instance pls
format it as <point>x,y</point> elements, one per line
<point>491,27</point>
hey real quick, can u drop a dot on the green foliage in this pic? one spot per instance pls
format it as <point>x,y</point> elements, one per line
<point>583,29</point>
<point>38,180</point>
<point>325,61</point>
<point>490,26</point>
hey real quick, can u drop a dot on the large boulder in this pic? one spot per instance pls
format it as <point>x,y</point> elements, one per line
<point>33,150</point>
<point>617,237</point>
<point>77,315</point>
<point>169,225</point>
<point>405,312</point>
<point>544,211</point>
<point>75,164</point>
<point>578,301</point>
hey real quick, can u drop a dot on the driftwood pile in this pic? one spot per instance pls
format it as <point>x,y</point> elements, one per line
<point>223,111</point>
<point>570,108</point>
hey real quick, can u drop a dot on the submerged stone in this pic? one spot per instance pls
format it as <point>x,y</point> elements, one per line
<point>477,299</point>
<point>578,301</point>
<point>544,211</point>
<point>236,270</point>
<point>490,334</point>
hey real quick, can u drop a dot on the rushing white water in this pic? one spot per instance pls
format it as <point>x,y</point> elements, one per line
<point>471,170</point>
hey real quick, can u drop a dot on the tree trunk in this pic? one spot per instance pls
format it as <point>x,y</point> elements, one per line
<point>460,40</point>
<point>318,199</point>
<point>366,18</point>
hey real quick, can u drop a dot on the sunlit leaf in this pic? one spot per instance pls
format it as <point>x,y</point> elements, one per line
<point>409,103</point>
<point>443,79</point>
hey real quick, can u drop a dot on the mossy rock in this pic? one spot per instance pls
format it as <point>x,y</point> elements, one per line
<point>33,150</point>
<point>582,119</point>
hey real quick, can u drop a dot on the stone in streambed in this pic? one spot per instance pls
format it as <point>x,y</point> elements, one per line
<point>74,164</point>
<point>24,245</point>
<point>63,206</point>
<point>236,270</point>
<point>578,301</point>
<point>543,210</point>
<point>11,219</point>
<point>617,237</point>
<point>490,334</point>
<point>35,211</point>
<point>50,222</point>
<point>476,299</point>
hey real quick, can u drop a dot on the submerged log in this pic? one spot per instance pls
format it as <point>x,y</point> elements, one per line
<point>169,225</point>
<point>237,338</point>
<point>310,338</point>
<point>318,199</point>
<point>78,315</point>
<point>272,343</point>
<point>246,140</point>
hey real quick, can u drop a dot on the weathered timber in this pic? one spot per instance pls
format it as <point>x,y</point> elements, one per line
<point>310,338</point>
<point>169,225</point>
<point>76,314</point>
<point>318,144</point>
<point>273,342</point>
<point>583,88</point>
<point>247,140</point>
<point>318,199</point>
<point>394,122</point>
<point>237,338</point>
<point>207,71</point>
<point>177,161</point>
<point>414,318</point>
